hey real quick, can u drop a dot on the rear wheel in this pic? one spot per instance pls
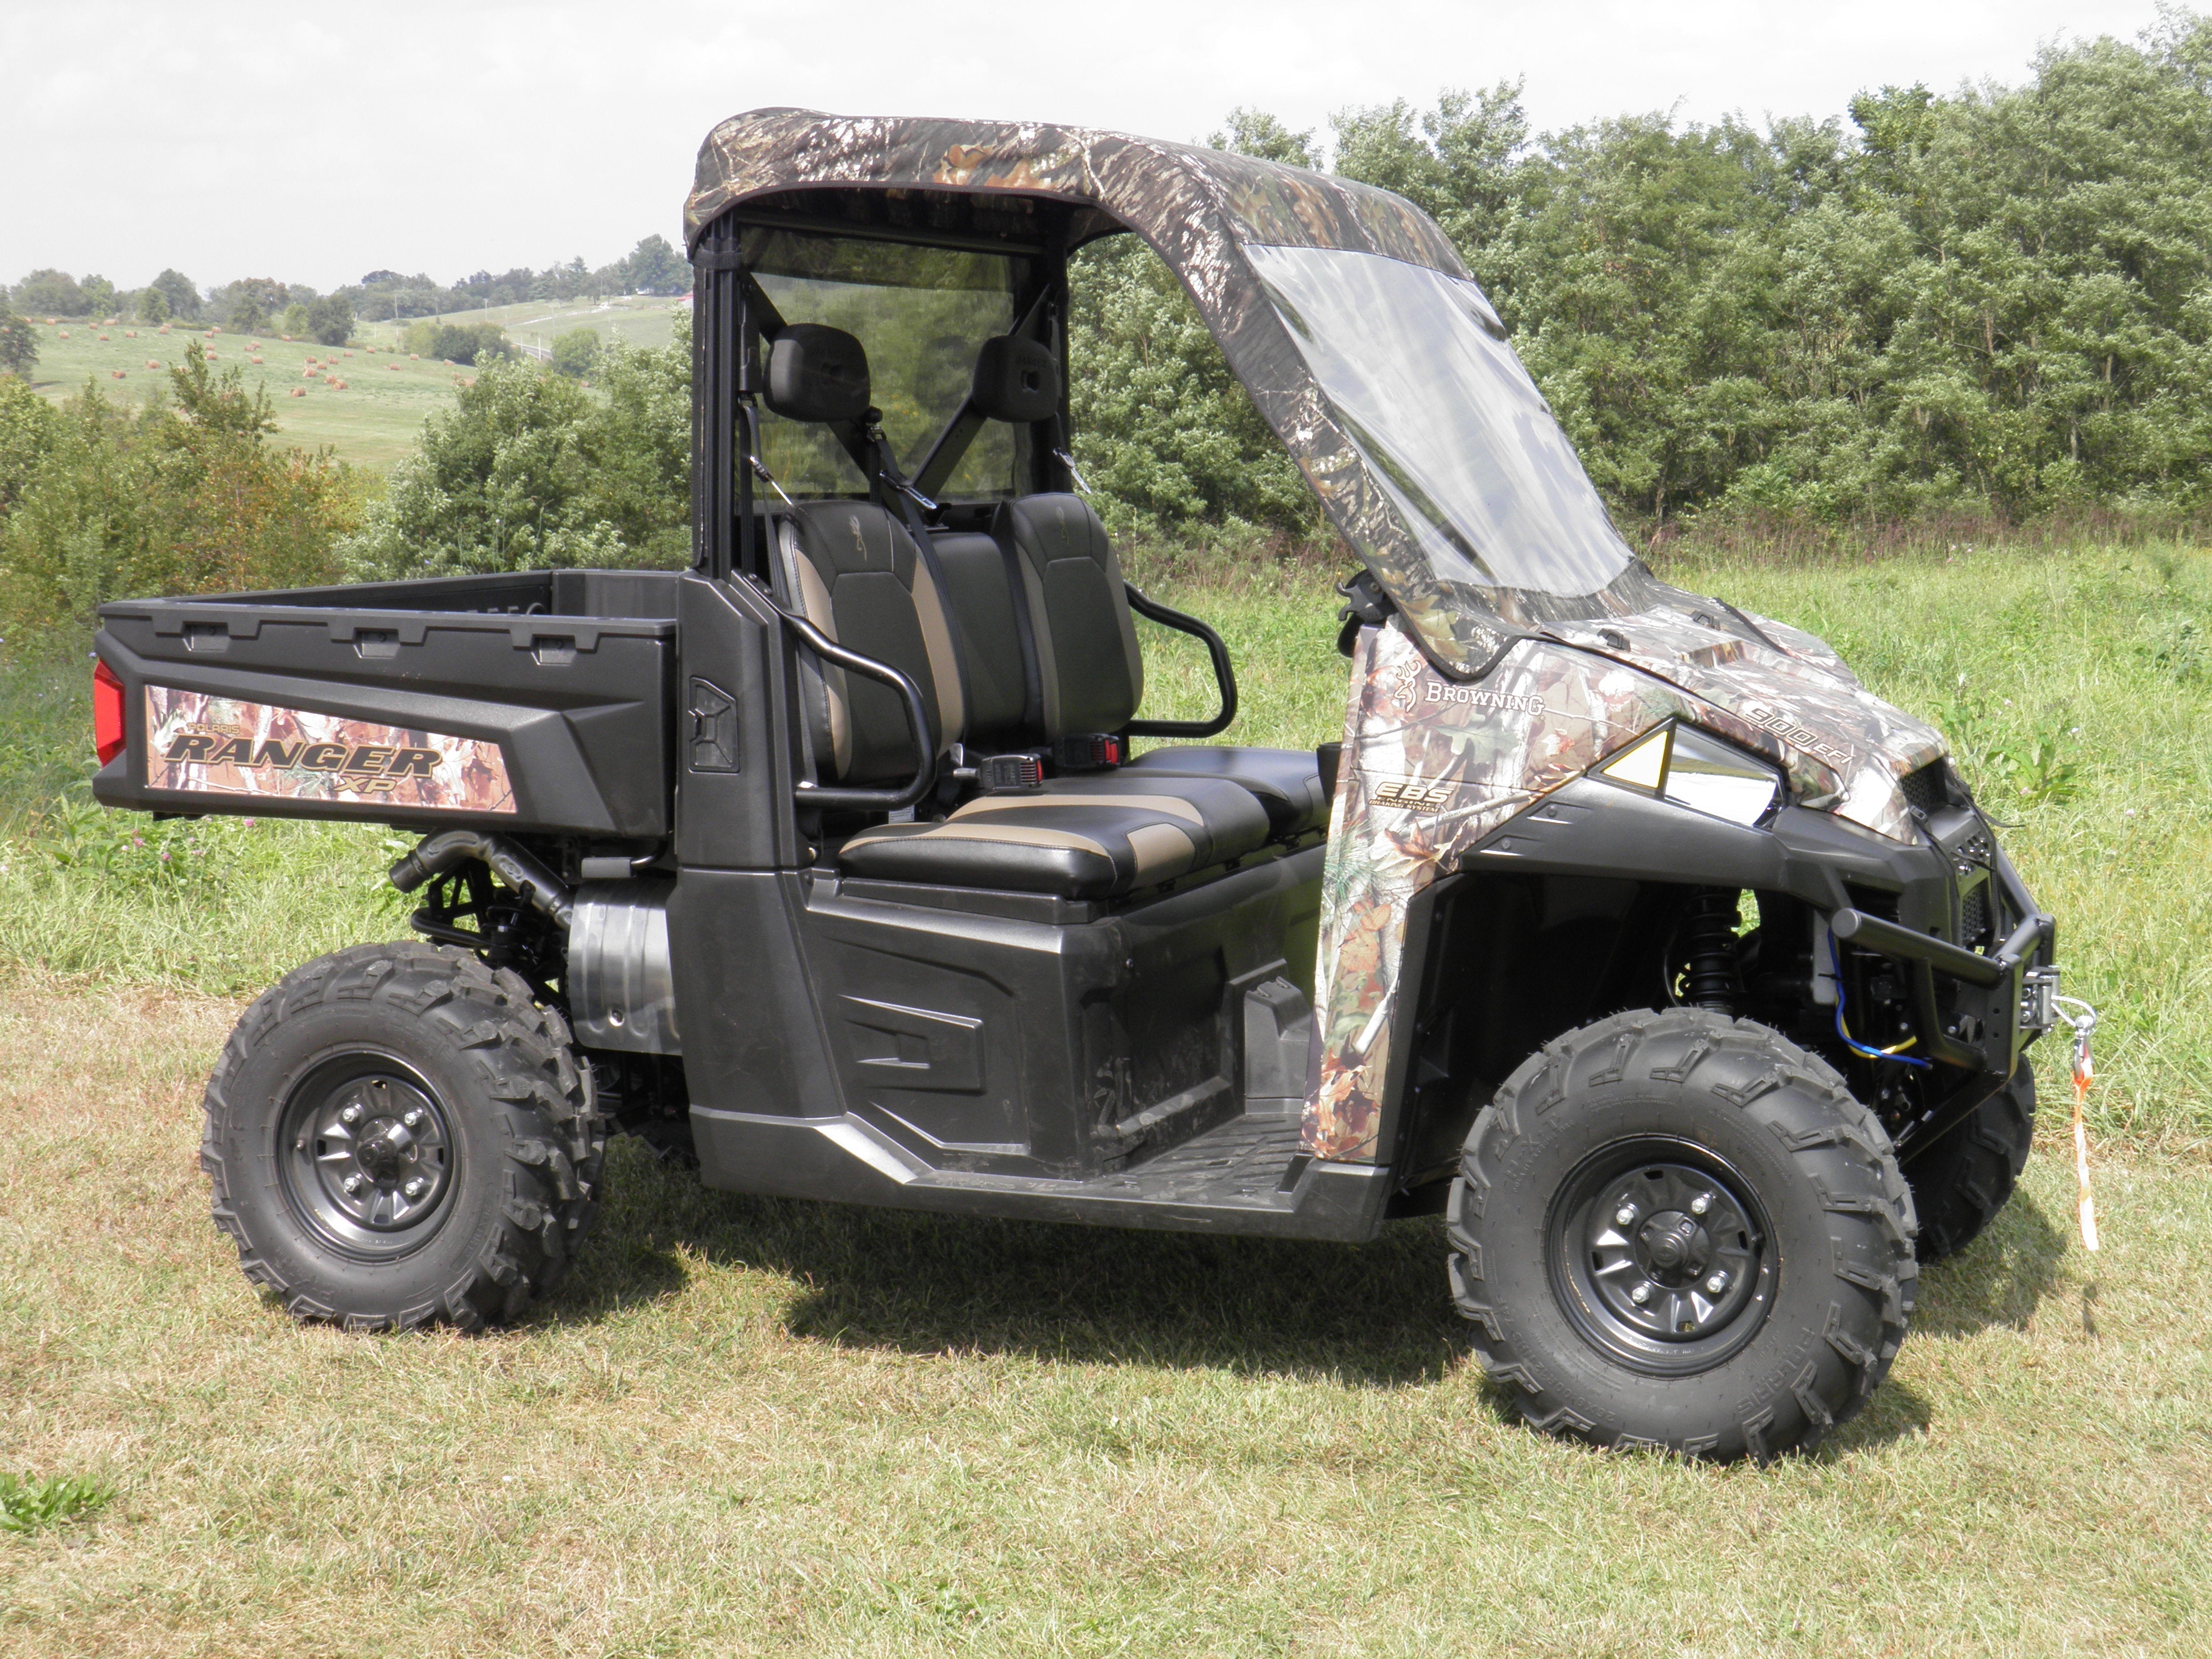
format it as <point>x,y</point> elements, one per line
<point>1674,1230</point>
<point>1967,1176</point>
<point>398,1134</point>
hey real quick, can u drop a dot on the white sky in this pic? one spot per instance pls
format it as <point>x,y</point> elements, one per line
<point>315,144</point>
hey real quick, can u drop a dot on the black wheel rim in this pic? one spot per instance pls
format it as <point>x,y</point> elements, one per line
<point>366,1154</point>
<point>1661,1255</point>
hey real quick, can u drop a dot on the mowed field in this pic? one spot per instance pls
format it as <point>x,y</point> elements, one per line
<point>373,421</point>
<point>758,1426</point>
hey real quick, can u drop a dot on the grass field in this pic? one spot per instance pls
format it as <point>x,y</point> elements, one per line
<point>373,421</point>
<point>751,1426</point>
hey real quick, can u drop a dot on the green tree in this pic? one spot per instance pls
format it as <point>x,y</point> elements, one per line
<point>654,267</point>
<point>19,345</point>
<point>330,319</point>
<point>50,293</point>
<point>575,352</point>
<point>529,470</point>
<point>295,323</point>
<point>1256,132</point>
<point>99,296</point>
<point>28,428</point>
<point>152,305</point>
<point>1164,431</point>
<point>178,292</point>
<point>186,497</point>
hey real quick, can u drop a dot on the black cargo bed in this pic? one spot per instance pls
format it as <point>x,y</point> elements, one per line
<point>535,700</point>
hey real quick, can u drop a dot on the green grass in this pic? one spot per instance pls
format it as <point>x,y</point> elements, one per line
<point>373,422</point>
<point>27,1503</point>
<point>750,1426</point>
<point>760,1426</point>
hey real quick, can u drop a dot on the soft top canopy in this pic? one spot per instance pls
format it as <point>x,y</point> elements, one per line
<point>1202,211</point>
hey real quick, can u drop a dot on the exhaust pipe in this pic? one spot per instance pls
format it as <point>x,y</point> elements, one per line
<point>513,864</point>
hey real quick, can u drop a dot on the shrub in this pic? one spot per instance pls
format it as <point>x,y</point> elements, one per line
<point>19,345</point>
<point>188,497</point>
<point>575,353</point>
<point>330,319</point>
<point>459,343</point>
<point>28,428</point>
<point>530,470</point>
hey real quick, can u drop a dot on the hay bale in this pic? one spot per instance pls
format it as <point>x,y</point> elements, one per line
<point>299,391</point>
<point>153,362</point>
<point>253,359</point>
<point>114,373</point>
<point>103,337</point>
<point>65,334</point>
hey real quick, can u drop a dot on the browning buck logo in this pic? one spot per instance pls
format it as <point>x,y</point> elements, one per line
<point>219,746</point>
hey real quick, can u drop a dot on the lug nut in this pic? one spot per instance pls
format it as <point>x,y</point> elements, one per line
<point>414,1188</point>
<point>354,1183</point>
<point>350,1116</point>
<point>1640,1295</point>
<point>1717,1283</point>
<point>1701,1203</point>
<point>1624,1215</point>
<point>414,1118</point>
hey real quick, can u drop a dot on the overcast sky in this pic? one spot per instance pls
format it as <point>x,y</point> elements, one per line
<point>315,144</point>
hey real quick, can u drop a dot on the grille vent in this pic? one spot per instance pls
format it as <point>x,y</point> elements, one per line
<point>1924,788</point>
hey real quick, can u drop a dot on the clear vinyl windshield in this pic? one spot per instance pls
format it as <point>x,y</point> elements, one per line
<point>1416,368</point>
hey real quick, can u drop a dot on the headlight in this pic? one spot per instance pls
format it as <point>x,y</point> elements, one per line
<point>1682,765</point>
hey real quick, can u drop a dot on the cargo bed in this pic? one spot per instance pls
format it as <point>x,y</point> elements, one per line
<point>538,700</point>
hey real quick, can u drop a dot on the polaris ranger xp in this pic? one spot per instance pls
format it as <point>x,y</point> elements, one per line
<point>1621,927</point>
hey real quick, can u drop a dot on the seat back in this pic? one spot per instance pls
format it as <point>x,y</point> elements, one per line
<point>851,569</point>
<point>1090,673</point>
<point>989,633</point>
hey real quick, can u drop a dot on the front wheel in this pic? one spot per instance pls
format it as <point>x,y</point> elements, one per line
<point>1677,1230</point>
<point>397,1135</point>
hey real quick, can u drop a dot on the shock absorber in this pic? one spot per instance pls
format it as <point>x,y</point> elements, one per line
<point>1708,941</point>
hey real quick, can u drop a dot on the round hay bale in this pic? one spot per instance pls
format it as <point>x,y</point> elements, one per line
<point>103,337</point>
<point>65,334</point>
<point>253,359</point>
<point>115,374</point>
<point>299,391</point>
<point>153,362</point>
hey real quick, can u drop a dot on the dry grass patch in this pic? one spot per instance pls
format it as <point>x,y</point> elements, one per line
<point>752,1425</point>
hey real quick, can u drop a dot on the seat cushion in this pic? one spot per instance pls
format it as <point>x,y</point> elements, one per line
<point>1078,837</point>
<point>1286,782</point>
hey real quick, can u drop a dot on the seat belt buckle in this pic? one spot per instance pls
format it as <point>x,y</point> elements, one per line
<point>1088,751</point>
<point>1007,774</point>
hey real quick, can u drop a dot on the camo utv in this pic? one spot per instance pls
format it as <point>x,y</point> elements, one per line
<point>1620,927</point>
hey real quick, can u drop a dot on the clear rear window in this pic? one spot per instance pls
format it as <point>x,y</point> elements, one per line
<point>922,314</point>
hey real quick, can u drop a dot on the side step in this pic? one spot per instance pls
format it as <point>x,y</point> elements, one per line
<point>1245,1176</point>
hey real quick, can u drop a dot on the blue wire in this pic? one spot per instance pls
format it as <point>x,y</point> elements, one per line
<point>1836,957</point>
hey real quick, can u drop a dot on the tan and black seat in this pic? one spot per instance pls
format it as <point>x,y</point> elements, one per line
<point>1072,642</point>
<point>1091,674</point>
<point>855,572</point>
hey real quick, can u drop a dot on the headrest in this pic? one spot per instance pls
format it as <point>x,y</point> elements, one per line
<point>1015,379</point>
<point>815,373</point>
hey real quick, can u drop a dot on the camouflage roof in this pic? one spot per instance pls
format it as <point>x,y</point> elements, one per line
<point>1198,210</point>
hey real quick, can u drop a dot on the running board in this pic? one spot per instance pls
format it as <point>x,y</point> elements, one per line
<point>1245,1176</point>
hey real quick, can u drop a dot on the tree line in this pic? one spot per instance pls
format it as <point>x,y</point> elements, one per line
<point>1997,299</point>
<point>262,304</point>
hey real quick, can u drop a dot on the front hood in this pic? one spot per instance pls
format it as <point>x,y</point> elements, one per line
<point>1847,751</point>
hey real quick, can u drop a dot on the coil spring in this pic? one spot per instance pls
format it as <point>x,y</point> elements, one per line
<point>1708,940</point>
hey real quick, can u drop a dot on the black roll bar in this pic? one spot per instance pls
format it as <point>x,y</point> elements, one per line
<point>1224,673</point>
<point>920,722</point>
